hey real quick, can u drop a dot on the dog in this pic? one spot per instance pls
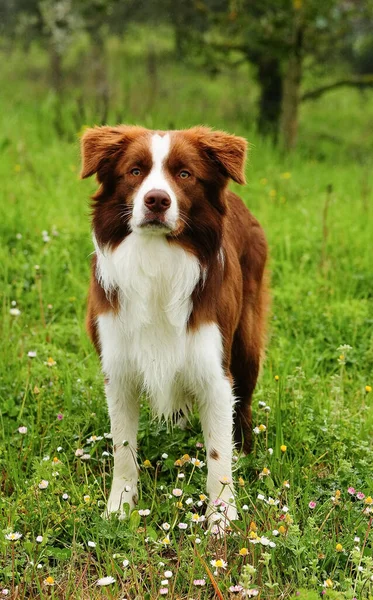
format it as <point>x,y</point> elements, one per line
<point>178,296</point>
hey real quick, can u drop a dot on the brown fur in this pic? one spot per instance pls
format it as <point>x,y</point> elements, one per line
<point>214,220</point>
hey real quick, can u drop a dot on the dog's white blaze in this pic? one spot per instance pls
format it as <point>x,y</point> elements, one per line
<point>146,346</point>
<point>156,180</point>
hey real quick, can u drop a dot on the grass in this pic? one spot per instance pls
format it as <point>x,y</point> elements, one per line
<point>315,206</point>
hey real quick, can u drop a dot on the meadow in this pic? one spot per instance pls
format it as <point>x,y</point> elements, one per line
<point>305,493</point>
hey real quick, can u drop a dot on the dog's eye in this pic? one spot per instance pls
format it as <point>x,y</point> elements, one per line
<point>136,172</point>
<point>184,174</point>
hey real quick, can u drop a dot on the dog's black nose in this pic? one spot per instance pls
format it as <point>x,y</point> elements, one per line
<point>157,201</point>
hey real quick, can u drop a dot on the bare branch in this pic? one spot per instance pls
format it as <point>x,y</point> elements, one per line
<point>357,82</point>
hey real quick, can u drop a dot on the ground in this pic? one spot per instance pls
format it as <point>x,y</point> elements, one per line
<point>305,492</point>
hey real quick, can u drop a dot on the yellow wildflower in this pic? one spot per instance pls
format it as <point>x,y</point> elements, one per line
<point>368,388</point>
<point>147,464</point>
<point>339,548</point>
<point>283,448</point>
<point>282,529</point>
<point>368,500</point>
<point>244,552</point>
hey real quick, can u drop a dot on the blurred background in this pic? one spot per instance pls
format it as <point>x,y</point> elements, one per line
<point>298,73</point>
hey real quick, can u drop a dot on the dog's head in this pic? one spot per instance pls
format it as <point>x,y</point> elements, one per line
<point>159,182</point>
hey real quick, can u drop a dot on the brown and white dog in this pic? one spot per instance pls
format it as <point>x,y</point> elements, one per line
<point>177,299</point>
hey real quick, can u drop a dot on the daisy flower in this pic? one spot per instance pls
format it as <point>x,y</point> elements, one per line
<point>144,512</point>
<point>312,504</point>
<point>50,362</point>
<point>272,501</point>
<point>94,438</point>
<point>225,480</point>
<point>13,537</point>
<point>219,563</point>
<point>105,581</point>
<point>264,473</point>
<point>43,484</point>
<point>22,430</point>
<point>177,492</point>
<point>197,463</point>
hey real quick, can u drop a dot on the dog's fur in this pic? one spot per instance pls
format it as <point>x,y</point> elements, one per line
<point>177,299</point>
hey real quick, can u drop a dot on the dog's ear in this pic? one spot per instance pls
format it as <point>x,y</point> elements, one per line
<point>100,146</point>
<point>226,150</point>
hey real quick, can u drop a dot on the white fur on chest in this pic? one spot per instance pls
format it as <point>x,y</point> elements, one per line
<point>148,340</point>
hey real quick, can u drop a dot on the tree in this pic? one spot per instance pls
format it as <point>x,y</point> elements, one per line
<point>282,39</point>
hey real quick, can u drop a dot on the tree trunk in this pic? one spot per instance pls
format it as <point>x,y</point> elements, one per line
<point>270,81</point>
<point>291,93</point>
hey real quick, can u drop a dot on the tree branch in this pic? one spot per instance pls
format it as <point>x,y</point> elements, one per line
<point>358,82</point>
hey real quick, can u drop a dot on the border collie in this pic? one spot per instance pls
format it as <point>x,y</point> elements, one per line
<point>178,296</point>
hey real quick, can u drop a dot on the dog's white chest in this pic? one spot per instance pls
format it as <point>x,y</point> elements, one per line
<point>148,339</point>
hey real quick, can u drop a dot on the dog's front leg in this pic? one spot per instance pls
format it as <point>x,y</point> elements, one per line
<point>216,404</point>
<point>123,404</point>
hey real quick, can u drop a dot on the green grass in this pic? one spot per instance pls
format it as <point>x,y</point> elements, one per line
<point>320,409</point>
